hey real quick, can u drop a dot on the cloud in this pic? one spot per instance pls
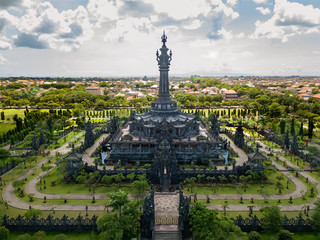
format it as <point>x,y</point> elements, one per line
<point>30,41</point>
<point>136,9</point>
<point>232,3</point>
<point>263,11</point>
<point>9,3</point>
<point>260,1</point>
<point>6,19</point>
<point>289,19</point>
<point>65,30</point>
<point>5,43</point>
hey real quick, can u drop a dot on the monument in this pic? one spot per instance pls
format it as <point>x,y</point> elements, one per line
<point>166,132</point>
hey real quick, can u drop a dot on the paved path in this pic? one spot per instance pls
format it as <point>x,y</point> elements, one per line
<point>242,156</point>
<point>86,157</point>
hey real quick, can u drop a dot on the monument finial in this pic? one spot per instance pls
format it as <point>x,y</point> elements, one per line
<point>164,38</point>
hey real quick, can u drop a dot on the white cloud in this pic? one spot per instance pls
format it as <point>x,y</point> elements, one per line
<point>260,1</point>
<point>193,25</point>
<point>232,3</point>
<point>181,9</point>
<point>128,29</point>
<point>264,11</point>
<point>65,30</point>
<point>101,11</point>
<point>289,19</point>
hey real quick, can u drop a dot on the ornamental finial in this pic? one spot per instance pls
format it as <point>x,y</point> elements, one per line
<point>164,38</point>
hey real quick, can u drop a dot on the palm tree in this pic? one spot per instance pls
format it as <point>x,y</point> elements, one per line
<point>118,200</point>
<point>251,209</point>
<point>225,206</point>
<point>211,181</point>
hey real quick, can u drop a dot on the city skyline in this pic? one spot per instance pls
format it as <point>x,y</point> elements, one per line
<point>119,38</point>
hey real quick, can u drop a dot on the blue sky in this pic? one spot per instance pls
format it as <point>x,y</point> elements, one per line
<point>119,37</point>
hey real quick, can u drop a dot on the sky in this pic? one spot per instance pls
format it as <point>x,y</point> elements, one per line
<point>110,38</point>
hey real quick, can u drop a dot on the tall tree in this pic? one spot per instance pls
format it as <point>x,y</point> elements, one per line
<point>42,139</point>
<point>282,126</point>
<point>271,219</point>
<point>34,144</point>
<point>292,130</point>
<point>310,128</point>
<point>88,137</point>
<point>301,129</point>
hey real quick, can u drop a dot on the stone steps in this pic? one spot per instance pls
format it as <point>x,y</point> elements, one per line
<point>167,235</point>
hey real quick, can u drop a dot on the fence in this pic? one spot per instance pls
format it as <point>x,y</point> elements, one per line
<point>51,224</point>
<point>298,224</point>
<point>80,224</point>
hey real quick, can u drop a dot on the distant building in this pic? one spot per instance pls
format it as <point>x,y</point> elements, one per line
<point>230,95</point>
<point>316,96</point>
<point>95,90</point>
<point>305,96</point>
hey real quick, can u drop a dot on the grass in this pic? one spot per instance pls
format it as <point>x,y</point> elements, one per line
<point>5,127</point>
<point>64,139</point>
<point>252,187</point>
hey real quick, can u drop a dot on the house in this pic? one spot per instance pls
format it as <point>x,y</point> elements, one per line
<point>230,95</point>
<point>95,90</point>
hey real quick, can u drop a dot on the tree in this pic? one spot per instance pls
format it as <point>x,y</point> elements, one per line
<point>4,233</point>
<point>4,153</point>
<point>254,236</point>
<point>42,139</point>
<point>301,129</point>
<point>140,186</point>
<point>285,235</point>
<point>310,128</point>
<point>292,129</point>
<point>274,110</point>
<point>271,219</point>
<point>115,227</point>
<point>118,200</point>
<point>282,126</point>
<point>220,228</point>
<point>34,144</point>
<point>3,116</point>
<point>88,137</point>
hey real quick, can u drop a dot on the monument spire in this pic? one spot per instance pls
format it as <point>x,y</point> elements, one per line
<point>164,60</point>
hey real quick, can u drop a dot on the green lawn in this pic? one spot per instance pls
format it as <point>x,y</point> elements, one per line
<point>5,127</point>
<point>72,188</point>
<point>252,187</point>
<point>64,139</point>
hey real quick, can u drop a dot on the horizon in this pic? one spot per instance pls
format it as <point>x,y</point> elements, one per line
<point>97,38</point>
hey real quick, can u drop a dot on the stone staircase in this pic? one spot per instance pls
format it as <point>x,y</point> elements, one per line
<point>166,216</point>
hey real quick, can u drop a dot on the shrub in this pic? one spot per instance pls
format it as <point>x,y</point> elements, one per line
<point>40,235</point>
<point>285,235</point>
<point>60,237</point>
<point>254,236</point>
<point>33,212</point>
<point>4,233</point>
<point>25,236</point>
